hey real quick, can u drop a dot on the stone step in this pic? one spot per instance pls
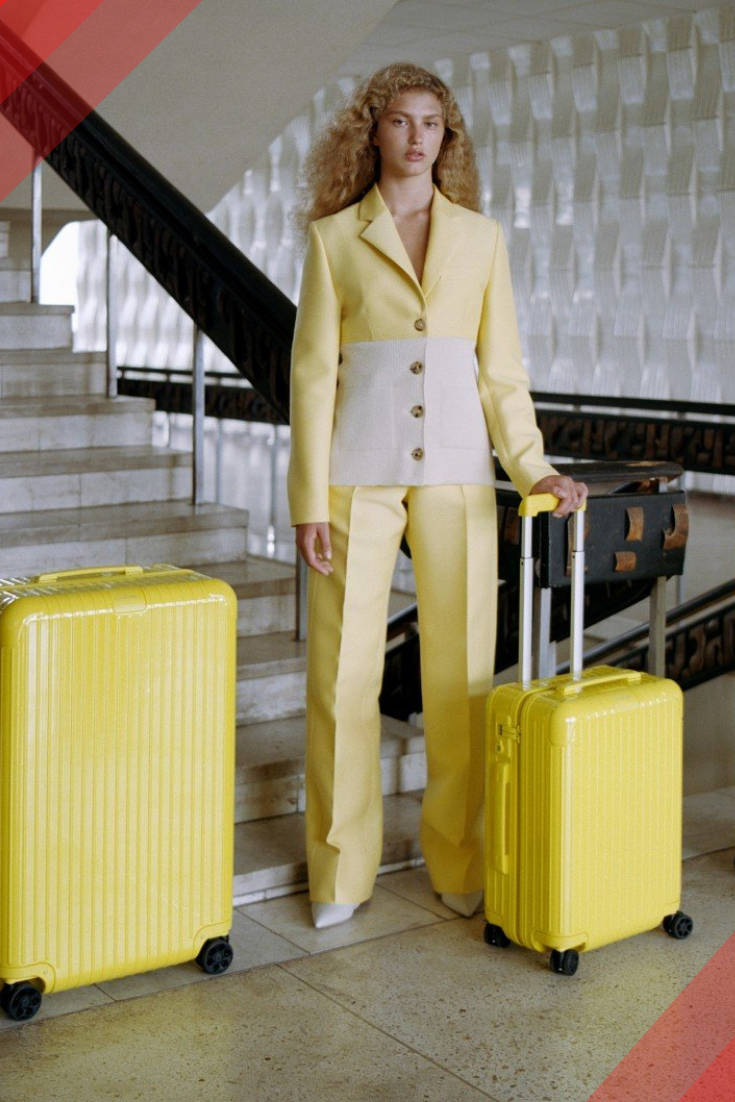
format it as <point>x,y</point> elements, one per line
<point>271,667</point>
<point>30,325</point>
<point>15,283</point>
<point>271,676</point>
<point>169,531</point>
<point>70,478</point>
<point>269,777</point>
<point>29,373</point>
<point>270,856</point>
<point>63,421</point>
<point>266,593</point>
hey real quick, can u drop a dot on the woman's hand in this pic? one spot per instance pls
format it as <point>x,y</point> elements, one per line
<point>571,494</point>
<point>314,546</point>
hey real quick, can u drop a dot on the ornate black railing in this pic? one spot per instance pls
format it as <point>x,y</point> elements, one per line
<point>676,436</point>
<point>227,296</point>
<point>700,640</point>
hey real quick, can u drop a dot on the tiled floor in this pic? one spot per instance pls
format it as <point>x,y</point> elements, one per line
<point>403,1002</point>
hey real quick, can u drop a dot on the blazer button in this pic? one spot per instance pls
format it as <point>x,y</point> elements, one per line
<point>418,453</point>
<point>417,367</point>
<point>419,324</point>
<point>417,411</point>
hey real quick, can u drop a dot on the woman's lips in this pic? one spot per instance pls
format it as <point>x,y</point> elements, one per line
<point>415,156</point>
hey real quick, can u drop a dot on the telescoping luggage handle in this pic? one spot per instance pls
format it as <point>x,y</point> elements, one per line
<point>529,508</point>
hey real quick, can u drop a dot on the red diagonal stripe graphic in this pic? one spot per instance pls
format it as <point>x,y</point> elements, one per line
<point>692,1040</point>
<point>99,53</point>
<point>43,25</point>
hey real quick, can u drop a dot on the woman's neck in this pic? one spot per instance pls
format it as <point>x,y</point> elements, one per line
<point>406,196</point>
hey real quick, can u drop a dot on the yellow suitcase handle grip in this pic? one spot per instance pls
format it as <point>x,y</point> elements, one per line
<point>86,572</point>
<point>573,687</point>
<point>534,504</point>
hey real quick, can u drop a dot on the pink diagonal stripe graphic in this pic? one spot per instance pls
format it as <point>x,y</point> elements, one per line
<point>692,1040</point>
<point>99,52</point>
<point>718,1082</point>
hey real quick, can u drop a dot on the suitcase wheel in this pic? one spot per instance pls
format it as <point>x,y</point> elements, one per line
<point>215,956</point>
<point>678,925</point>
<point>494,935</point>
<point>20,1001</point>
<point>565,963</point>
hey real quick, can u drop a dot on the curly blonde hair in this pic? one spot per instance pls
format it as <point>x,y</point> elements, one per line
<point>343,163</point>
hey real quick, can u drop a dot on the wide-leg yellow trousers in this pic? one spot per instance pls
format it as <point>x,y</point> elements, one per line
<point>451,531</point>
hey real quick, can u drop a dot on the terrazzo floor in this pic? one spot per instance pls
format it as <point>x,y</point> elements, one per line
<point>403,1002</point>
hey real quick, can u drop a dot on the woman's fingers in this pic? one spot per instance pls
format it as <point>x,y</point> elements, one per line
<point>571,494</point>
<point>314,546</point>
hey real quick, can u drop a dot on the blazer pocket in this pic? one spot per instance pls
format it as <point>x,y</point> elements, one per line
<point>363,418</point>
<point>462,422</point>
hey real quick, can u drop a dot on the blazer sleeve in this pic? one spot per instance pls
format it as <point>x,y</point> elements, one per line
<point>503,382</point>
<point>314,362</point>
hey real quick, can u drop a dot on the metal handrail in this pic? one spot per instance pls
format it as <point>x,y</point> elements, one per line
<point>713,409</point>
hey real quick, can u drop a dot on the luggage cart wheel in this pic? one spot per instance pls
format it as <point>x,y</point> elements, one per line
<point>215,956</point>
<point>494,935</point>
<point>678,925</point>
<point>20,1001</point>
<point>565,963</point>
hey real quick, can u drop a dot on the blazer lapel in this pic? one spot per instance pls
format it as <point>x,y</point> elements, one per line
<point>381,232</point>
<point>443,240</point>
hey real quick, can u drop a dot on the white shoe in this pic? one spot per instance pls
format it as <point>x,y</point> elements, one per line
<point>331,914</point>
<point>466,905</point>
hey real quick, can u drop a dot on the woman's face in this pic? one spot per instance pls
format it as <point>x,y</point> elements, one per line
<point>409,134</point>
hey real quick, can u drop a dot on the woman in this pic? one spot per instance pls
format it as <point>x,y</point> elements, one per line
<point>406,364</point>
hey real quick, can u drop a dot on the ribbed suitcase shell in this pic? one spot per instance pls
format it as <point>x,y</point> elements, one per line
<point>583,821</point>
<point>116,771</point>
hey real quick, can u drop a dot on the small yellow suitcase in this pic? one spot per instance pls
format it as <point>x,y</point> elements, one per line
<point>583,795</point>
<point>117,720</point>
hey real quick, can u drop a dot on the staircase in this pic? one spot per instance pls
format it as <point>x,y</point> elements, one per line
<point>82,485</point>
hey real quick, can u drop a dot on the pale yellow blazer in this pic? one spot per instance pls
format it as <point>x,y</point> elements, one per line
<point>364,318</point>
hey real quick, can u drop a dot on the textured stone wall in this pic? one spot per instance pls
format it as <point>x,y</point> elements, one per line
<point>609,159</point>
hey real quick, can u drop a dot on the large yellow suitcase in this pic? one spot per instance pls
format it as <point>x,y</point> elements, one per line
<point>117,719</point>
<point>583,796</point>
